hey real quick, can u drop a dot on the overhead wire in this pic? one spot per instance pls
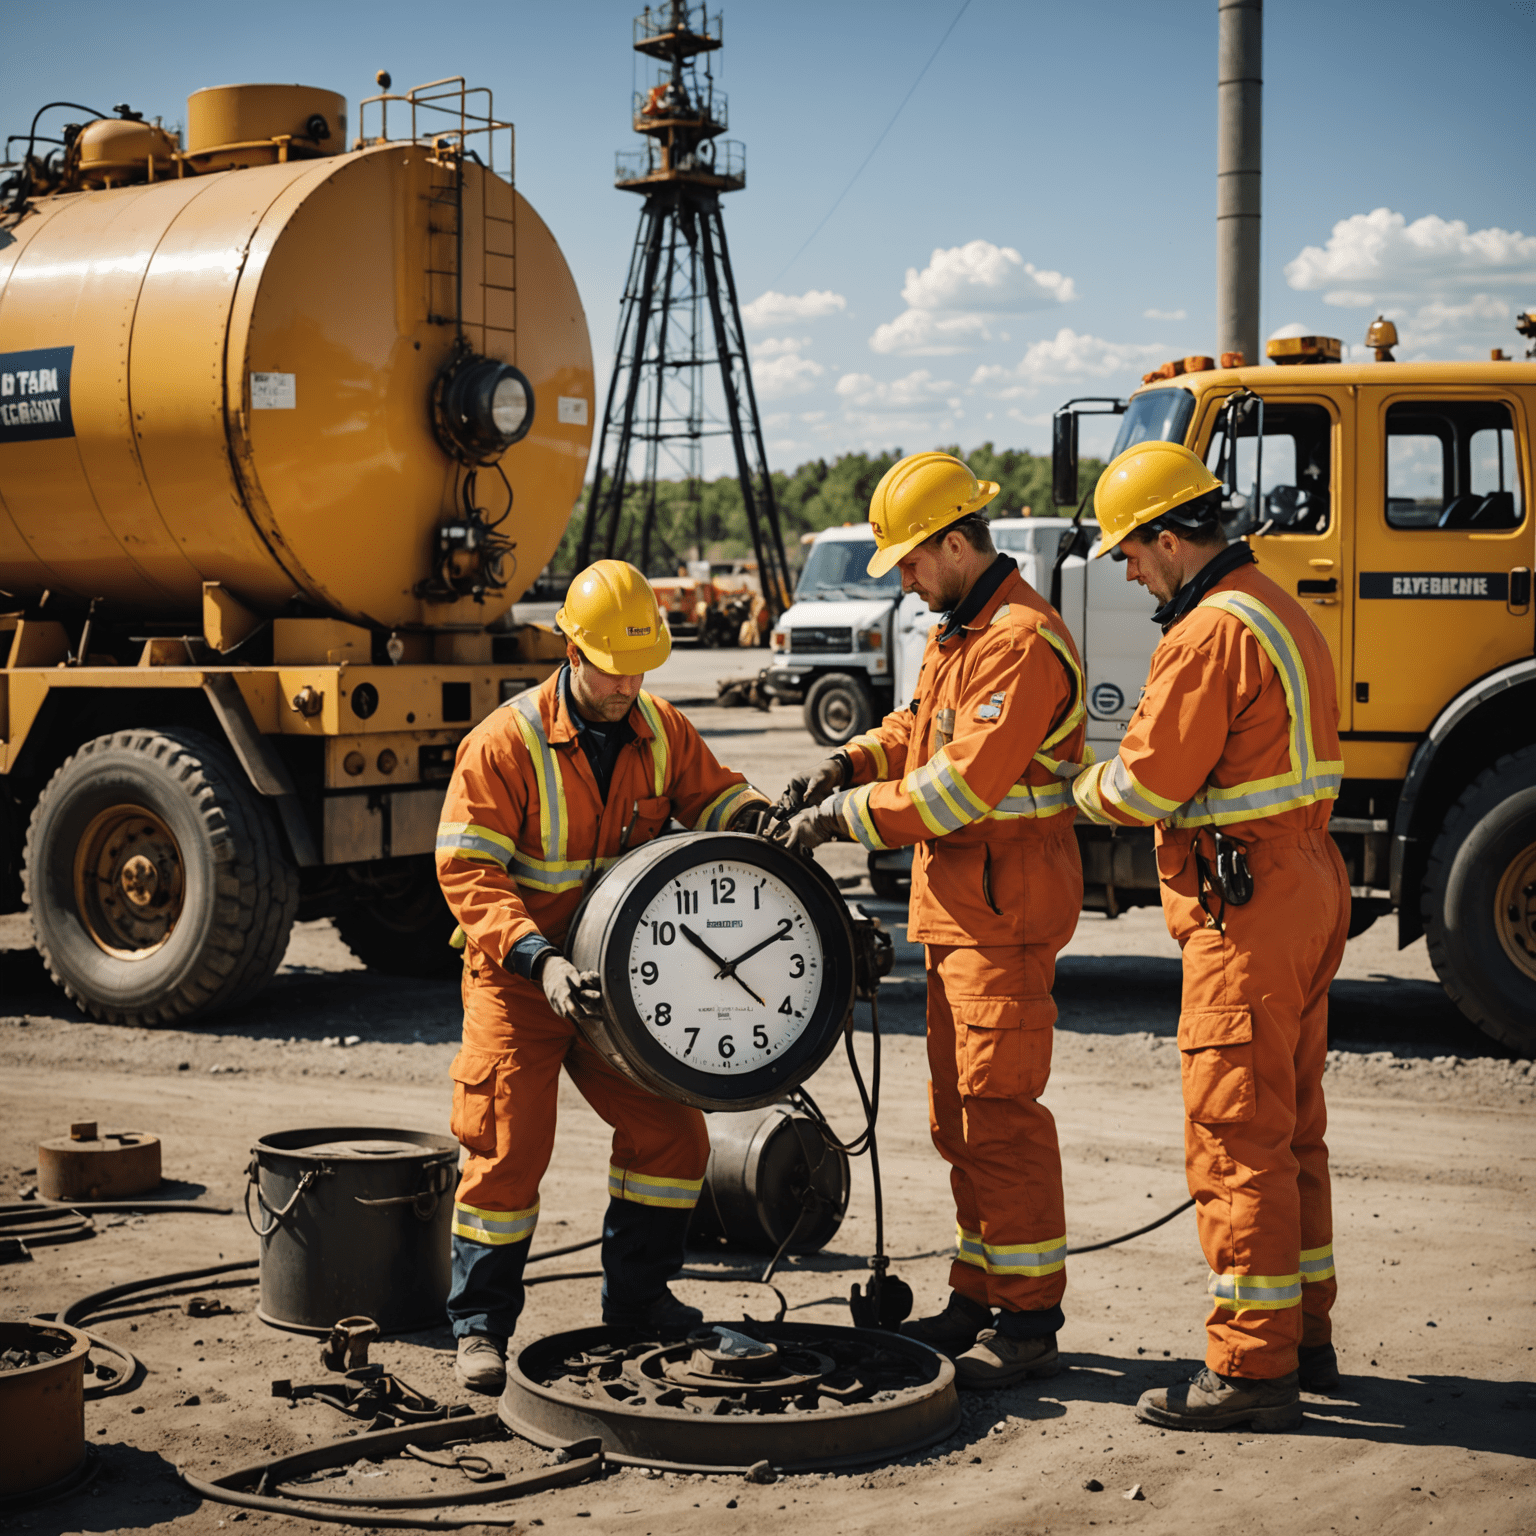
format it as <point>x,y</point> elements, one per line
<point>965,6</point>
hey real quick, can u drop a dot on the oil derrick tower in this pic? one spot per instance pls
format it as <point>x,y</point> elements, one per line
<point>680,316</point>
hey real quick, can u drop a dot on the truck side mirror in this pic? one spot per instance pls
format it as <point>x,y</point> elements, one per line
<point>1064,458</point>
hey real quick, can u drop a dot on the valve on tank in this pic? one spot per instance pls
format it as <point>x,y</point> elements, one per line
<point>480,407</point>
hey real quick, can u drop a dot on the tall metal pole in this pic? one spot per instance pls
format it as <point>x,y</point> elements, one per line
<point>1239,160</point>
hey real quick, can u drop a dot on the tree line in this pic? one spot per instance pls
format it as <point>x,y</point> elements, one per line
<point>709,516</point>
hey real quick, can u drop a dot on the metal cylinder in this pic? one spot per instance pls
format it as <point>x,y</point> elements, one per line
<point>771,1173</point>
<point>1239,161</point>
<point>112,1167</point>
<point>229,377</point>
<point>353,1221</point>
<point>42,1406</point>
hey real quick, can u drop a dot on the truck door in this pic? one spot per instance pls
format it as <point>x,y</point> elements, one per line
<point>1293,524</point>
<point>1443,548</point>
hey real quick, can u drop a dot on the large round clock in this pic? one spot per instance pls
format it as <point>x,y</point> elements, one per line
<point>727,967</point>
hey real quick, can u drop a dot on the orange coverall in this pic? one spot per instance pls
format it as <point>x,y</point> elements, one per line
<point>1238,730</point>
<point>967,773</point>
<point>524,829</point>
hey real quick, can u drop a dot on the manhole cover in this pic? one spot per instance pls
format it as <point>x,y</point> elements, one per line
<point>800,1396</point>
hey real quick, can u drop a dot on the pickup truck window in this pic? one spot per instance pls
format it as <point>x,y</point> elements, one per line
<point>1451,464</point>
<point>1160,415</point>
<point>839,568</point>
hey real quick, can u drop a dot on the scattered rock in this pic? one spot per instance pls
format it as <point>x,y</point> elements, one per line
<point>183,1066</point>
<point>730,1503</point>
<point>191,1400</point>
<point>1093,1485</point>
<point>1133,1492</point>
<point>758,1472</point>
<point>353,1040</point>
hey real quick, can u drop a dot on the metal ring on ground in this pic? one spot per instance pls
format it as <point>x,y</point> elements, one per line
<point>899,1397</point>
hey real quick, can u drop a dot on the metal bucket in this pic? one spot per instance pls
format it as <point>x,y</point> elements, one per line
<point>42,1408</point>
<point>353,1221</point>
<point>772,1175</point>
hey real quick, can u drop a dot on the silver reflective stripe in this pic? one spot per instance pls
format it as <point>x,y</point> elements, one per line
<point>465,842</point>
<point>1000,1260</point>
<point>1320,1268</point>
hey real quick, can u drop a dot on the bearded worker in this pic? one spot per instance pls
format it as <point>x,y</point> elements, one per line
<point>968,773</point>
<point>1233,754</point>
<point>547,791</point>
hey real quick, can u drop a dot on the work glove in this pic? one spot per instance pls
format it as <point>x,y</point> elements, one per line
<point>574,995</point>
<point>750,818</point>
<point>807,830</point>
<point>813,787</point>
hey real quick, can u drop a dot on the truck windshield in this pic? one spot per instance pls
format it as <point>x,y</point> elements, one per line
<point>1160,415</point>
<point>837,568</point>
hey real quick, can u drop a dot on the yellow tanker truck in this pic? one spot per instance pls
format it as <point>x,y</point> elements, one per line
<point>286,427</point>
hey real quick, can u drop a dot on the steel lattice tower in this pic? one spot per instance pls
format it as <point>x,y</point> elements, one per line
<point>680,316</point>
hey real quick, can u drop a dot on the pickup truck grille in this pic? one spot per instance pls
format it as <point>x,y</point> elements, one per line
<point>812,641</point>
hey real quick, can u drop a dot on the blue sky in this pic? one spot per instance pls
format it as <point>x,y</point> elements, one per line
<point>1039,222</point>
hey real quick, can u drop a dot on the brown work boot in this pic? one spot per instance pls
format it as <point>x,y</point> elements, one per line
<point>995,1360</point>
<point>1211,1401</point>
<point>480,1363</point>
<point>953,1330</point>
<point>1317,1368</point>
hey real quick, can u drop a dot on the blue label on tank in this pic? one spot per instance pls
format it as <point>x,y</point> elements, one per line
<point>34,394</point>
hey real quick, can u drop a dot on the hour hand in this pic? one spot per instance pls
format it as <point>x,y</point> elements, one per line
<point>725,970</point>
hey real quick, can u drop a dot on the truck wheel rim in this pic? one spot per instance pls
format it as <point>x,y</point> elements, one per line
<point>836,714</point>
<point>1515,911</point>
<point>130,882</point>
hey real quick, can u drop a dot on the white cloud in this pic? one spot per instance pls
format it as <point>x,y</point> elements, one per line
<point>774,308</point>
<point>1067,357</point>
<point>787,374</point>
<point>917,390</point>
<point>1165,314</point>
<point>949,300</point>
<point>776,346</point>
<point>1375,257</point>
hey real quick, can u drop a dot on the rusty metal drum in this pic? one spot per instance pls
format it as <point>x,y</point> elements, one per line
<point>42,1405</point>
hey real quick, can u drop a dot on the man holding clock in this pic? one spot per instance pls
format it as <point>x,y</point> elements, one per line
<point>546,792</point>
<point>971,773</point>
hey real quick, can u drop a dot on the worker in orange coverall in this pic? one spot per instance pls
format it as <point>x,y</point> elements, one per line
<point>1233,754</point>
<point>547,791</point>
<point>969,774</point>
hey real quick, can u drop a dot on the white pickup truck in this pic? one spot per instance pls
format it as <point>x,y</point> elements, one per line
<point>851,644</point>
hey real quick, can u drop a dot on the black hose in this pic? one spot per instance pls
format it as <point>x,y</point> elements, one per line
<point>1125,1237</point>
<point>77,1311</point>
<point>342,1514</point>
<point>148,1207</point>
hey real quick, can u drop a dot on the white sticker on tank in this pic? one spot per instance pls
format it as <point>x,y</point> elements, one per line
<point>571,410</point>
<point>275,392</point>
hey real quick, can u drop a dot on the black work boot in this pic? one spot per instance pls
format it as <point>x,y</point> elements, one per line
<point>1212,1401</point>
<point>1317,1368</point>
<point>664,1318</point>
<point>955,1329</point>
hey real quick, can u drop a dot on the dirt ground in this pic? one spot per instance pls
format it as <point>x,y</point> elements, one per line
<point>1434,1427</point>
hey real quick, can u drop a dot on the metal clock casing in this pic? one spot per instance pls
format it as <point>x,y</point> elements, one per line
<point>793,994</point>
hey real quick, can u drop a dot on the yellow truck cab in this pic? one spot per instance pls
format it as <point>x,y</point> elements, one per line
<point>1394,500</point>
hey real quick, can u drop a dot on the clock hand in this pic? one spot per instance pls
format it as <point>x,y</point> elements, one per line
<point>728,968</point>
<point>699,944</point>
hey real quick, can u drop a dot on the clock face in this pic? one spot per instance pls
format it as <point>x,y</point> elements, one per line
<point>725,967</point>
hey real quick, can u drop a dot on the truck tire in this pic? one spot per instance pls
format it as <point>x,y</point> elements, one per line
<point>838,708</point>
<point>158,881</point>
<point>1479,901</point>
<point>400,925</point>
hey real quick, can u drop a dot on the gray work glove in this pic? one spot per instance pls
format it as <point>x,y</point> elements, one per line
<point>813,787</point>
<point>807,830</point>
<point>574,995</point>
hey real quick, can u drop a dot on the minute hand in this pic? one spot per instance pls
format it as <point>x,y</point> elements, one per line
<point>699,944</point>
<point>728,967</point>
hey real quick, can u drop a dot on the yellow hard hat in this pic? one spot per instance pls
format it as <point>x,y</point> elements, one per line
<point>613,617</point>
<point>916,498</point>
<point>1146,481</point>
